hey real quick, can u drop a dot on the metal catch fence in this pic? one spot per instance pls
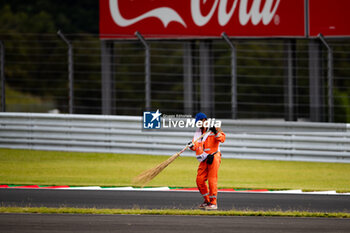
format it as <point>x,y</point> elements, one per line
<point>235,79</point>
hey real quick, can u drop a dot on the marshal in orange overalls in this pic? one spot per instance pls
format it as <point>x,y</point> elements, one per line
<point>208,172</point>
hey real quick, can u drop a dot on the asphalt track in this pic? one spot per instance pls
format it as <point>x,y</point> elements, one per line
<point>18,223</point>
<point>172,200</point>
<point>167,200</point>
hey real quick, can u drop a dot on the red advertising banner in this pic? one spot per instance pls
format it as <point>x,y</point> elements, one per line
<point>329,17</point>
<point>201,18</point>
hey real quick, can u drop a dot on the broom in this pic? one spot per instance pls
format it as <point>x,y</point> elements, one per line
<point>149,174</point>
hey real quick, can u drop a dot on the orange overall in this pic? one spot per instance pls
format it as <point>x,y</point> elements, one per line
<point>209,171</point>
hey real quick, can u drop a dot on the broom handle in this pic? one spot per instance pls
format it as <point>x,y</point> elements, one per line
<point>187,146</point>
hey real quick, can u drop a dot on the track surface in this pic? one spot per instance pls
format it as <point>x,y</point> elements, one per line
<point>163,224</point>
<point>171,200</point>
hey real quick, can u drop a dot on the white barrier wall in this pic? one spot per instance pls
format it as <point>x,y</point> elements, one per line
<point>246,139</point>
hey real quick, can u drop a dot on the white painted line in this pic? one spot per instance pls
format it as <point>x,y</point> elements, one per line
<point>228,191</point>
<point>82,188</point>
<point>321,192</point>
<point>153,189</point>
<point>119,189</point>
<point>297,191</point>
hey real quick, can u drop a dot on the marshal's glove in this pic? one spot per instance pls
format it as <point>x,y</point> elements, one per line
<point>213,129</point>
<point>190,144</point>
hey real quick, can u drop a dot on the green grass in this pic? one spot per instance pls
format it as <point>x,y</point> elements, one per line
<point>71,168</point>
<point>65,210</point>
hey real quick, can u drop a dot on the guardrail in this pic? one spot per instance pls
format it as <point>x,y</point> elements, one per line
<point>245,139</point>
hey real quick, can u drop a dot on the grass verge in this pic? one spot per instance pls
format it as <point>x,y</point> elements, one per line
<point>30,167</point>
<point>65,210</point>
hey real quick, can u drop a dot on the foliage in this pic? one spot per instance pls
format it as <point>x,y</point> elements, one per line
<point>19,102</point>
<point>36,59</point>
<point>42,16</point>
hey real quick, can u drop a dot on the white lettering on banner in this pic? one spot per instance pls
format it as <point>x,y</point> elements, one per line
<point>197,16</point>
<point>254,14</point>
<point>164,14</point>
<point>223,17</point>
<point>167,15</point>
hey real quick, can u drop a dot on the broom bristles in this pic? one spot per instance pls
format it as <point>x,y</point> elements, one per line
<point>149,174</point>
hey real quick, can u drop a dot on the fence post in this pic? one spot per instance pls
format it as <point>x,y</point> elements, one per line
<point>70,72</point>
<point>147,71</point>
<point>2,75</point>
<point>233,75</point>
<point>315,84</point>
<point>107,78</point>
<point>329,78</point>
<point>290,82</point>
<point>188,78</point>
<point>207,90</point>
